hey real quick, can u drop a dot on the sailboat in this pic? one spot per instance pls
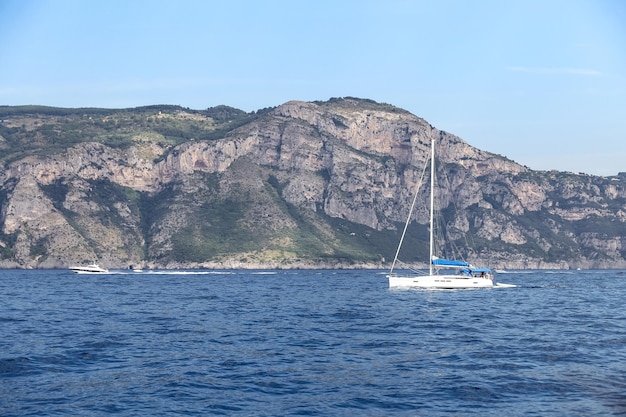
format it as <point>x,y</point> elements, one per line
<point>442,273</point>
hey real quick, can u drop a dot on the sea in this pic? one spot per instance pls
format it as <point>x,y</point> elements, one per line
<point>310,343</point>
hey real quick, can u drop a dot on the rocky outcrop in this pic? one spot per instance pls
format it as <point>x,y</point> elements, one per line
<point>303,184</point>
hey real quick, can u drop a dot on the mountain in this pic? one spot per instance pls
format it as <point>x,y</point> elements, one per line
<point>304,184</point>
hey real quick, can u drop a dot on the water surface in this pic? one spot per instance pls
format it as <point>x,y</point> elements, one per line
<point>268,343</point>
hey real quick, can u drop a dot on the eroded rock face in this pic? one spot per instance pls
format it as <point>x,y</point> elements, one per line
<point>356,161</point>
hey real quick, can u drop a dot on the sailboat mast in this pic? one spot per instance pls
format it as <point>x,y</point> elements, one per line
<point>432,204</point>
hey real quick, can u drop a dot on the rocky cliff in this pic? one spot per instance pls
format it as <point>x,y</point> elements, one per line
<point>303,184</point>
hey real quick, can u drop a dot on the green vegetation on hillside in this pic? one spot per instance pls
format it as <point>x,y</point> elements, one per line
<point>41,130</point>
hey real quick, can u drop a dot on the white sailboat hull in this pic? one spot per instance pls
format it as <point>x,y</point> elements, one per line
<point>447,282</point>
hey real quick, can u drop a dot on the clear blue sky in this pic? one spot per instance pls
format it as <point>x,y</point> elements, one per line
<point>542,82</point>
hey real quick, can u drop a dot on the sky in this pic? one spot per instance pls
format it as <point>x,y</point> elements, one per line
<point>542,82</point>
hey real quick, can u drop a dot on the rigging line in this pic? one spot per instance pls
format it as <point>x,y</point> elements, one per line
<point>451,231</point>
<point>465,252</point>
<point>410,268</point>
<point>406,224</point>
<point>447,231</point>
<point>444,241</point>
<point>469,237</point>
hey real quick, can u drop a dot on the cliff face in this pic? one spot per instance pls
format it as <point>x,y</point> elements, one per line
<point>299,185</point>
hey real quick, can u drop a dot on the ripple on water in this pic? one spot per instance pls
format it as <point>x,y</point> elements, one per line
<point>310,343</point>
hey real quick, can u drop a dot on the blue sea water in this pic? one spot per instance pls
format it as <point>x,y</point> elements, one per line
<point>312,343</point>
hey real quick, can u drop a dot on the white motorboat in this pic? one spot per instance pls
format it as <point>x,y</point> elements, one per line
<point>442,273</point>
<point>89,269</point>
